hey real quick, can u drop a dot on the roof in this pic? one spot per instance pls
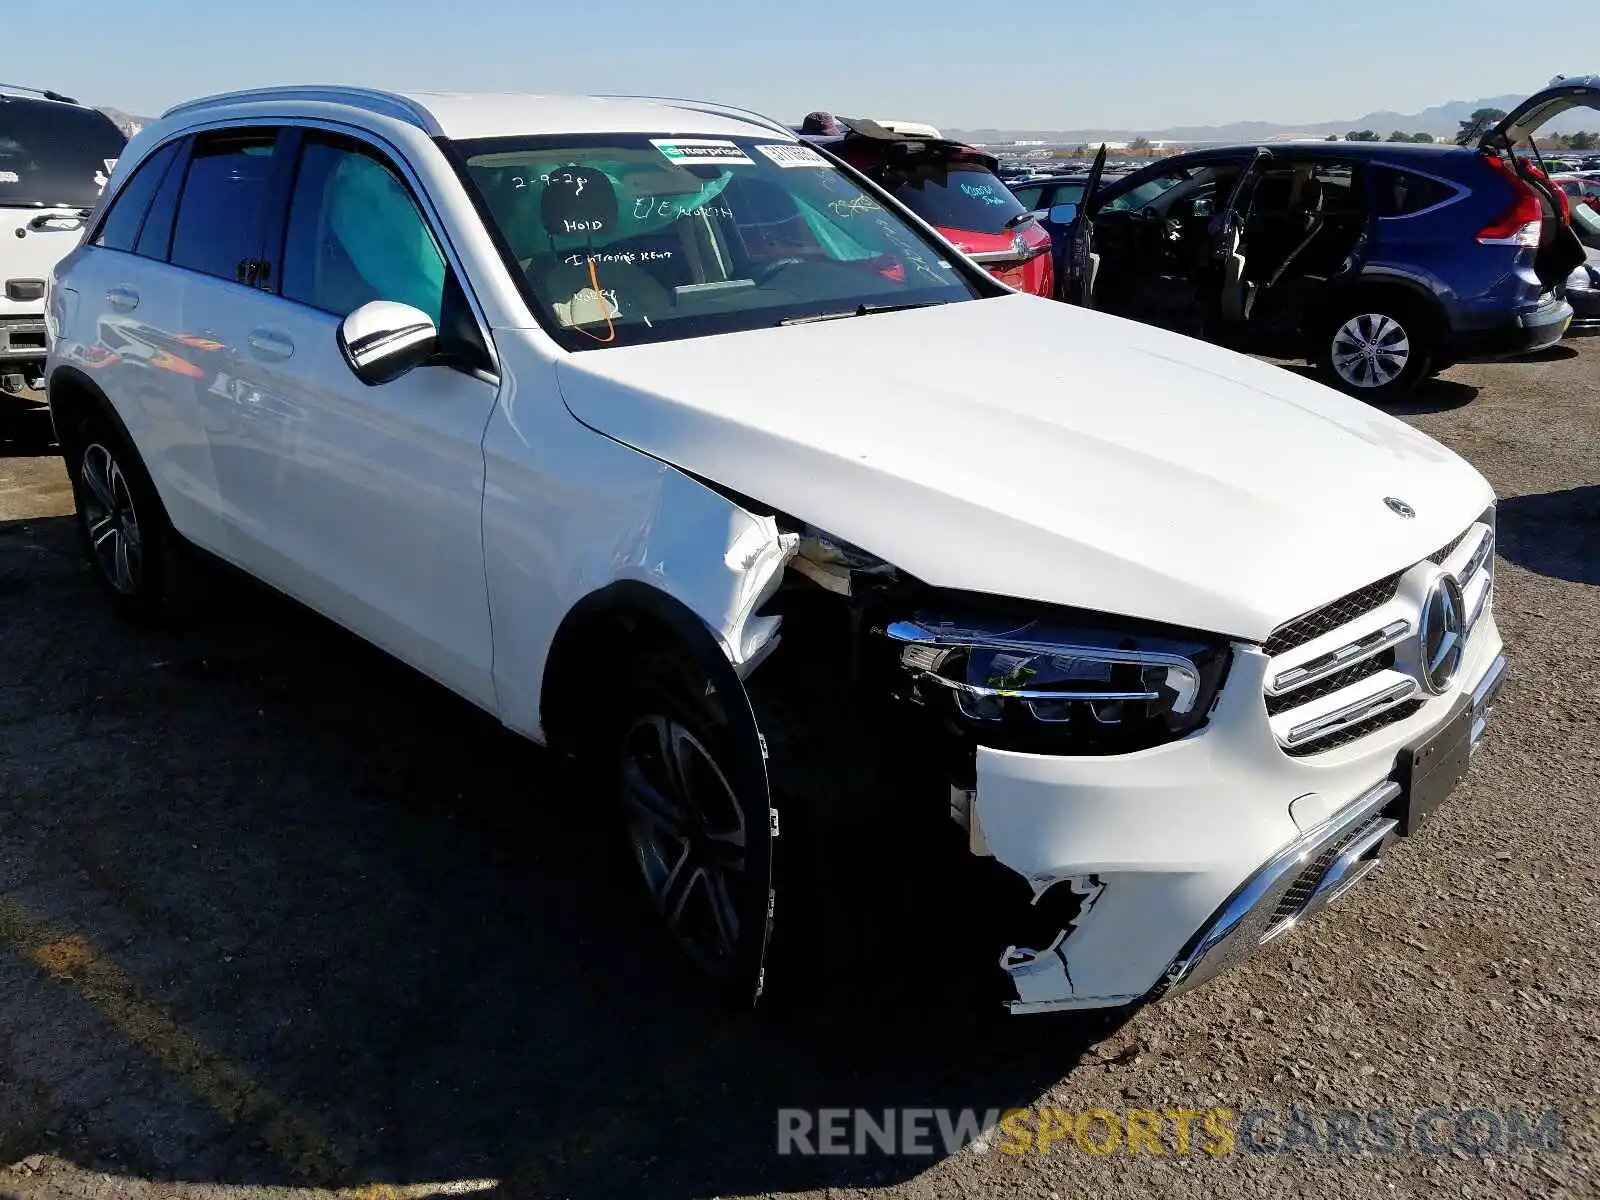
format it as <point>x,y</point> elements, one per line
<point>1417,150</point>
<point>505,114</point>
<point>17,91</point>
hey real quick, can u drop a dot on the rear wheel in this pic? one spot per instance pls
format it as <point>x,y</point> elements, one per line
<point>126,535</point>
<point>1375,348</point>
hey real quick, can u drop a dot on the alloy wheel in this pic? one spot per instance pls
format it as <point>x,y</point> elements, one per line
<point>1370,350</point>
<point>687,830</point>
<point>111,521</point>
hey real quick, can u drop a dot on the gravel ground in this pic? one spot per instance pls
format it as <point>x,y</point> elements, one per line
<point>277,916</point>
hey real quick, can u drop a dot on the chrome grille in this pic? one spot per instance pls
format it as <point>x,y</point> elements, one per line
<point>1350,668</point>
<point>1439,557</point>
<point>1328,618</point>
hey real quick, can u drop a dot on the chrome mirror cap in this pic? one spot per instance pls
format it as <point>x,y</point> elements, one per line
<point>382,340</point>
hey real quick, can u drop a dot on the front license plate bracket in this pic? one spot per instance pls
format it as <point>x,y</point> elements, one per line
<point>1430,770</point>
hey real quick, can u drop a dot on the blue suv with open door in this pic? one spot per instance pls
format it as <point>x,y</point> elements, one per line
<point>1380,263</point>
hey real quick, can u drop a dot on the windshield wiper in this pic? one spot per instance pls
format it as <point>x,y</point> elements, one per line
<point>861,310</point>
<point>1013,222</point>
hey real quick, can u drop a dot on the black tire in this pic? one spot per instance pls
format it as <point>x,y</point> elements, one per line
<point>127,538</point>
<point>712,892</point>
<point>1376,346</point>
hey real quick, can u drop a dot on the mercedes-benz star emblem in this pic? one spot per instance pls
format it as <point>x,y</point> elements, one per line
<point>1441,633</point>
<point>1399,507</point>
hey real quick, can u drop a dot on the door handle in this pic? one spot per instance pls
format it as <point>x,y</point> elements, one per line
<point>122,298</point>
<point>270,345</point>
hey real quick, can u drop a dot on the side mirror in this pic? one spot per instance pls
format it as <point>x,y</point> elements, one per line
<point>1063,214</point>
<point>382,340</point>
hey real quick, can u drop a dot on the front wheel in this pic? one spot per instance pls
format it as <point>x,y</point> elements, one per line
<point>697,820</point>
<point>1375,350</point>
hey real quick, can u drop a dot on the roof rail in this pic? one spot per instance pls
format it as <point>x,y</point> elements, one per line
<point>388,104</point>
<point>43,93</point>
<point>713,110</point>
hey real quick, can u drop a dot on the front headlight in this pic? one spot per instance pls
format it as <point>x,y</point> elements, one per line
<point>1056,687</point>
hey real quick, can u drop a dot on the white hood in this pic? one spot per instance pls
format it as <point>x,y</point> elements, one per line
<point>1020,447</point>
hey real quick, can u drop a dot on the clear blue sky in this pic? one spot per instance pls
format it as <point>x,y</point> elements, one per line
<point>1118,63</point>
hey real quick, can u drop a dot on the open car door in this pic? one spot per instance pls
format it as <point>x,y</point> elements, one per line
<point>1083,265</point>
<point>1560,249</point>
<point>1229,250</point>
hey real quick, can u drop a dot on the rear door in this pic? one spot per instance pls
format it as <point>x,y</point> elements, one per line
<point>1229,249</point>
<point>128,334</point>
<point>1560,249</point>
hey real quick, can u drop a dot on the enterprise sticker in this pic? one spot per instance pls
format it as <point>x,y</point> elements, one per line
<point>698,151</point>
<point>787,154</point>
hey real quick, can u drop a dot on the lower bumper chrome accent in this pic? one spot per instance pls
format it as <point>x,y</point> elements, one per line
<point>1314,869</point>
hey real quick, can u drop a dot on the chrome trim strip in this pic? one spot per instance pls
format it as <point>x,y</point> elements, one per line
<point>1265,888</point>
<point>1484,697</point>
<point>1351,714</point>
<point>1327,664</point>
<point>910,631</point>
<point>973,689</point>
<point>1479,556</point>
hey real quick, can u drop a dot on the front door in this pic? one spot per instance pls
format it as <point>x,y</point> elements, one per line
<point>363,502</point>
<point>1083,267</point>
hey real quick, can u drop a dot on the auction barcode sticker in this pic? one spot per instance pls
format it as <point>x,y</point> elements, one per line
<point>789,154</point>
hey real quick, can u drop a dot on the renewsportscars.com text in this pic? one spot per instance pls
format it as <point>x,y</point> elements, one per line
<point>1475,1131</point>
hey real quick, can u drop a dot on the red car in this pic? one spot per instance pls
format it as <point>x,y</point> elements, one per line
<point>953,187</point>
<point>1580,189</point>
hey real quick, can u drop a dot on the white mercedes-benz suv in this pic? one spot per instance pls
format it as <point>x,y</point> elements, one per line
<point>674,443</point>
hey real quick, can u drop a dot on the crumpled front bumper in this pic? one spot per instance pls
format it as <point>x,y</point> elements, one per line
<point>1181,857</point>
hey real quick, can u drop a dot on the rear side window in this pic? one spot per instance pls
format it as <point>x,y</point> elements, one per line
<point>356,235</point>
<point>218,231</point>
<point>120,229</point>
<point>1401,193</point>
<point>954,195</point>
<point>155,238</point>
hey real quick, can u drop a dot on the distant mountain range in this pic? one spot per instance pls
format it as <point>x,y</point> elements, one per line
<point>1441,120</point>
<point>127,122</point>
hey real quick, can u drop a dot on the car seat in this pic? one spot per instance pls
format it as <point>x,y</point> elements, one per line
<point>572,273</point>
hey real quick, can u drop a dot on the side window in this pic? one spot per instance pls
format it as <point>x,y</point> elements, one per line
<point>355,234</point>
<point>218,230</point>
<point>120,229</point>
<point>1143,193</point>
<point>1029,197</point>
<point>1400,193</point>
<point>155,239</point>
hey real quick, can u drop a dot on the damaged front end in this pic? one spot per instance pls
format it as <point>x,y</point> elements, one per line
<point>940,679</point>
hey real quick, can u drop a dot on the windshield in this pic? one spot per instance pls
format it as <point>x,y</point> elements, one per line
<point>54,155</point>
<point>623,238</point>
<point>954,195</point>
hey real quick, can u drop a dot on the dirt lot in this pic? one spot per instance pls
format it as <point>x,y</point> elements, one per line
<point>276,915</point>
